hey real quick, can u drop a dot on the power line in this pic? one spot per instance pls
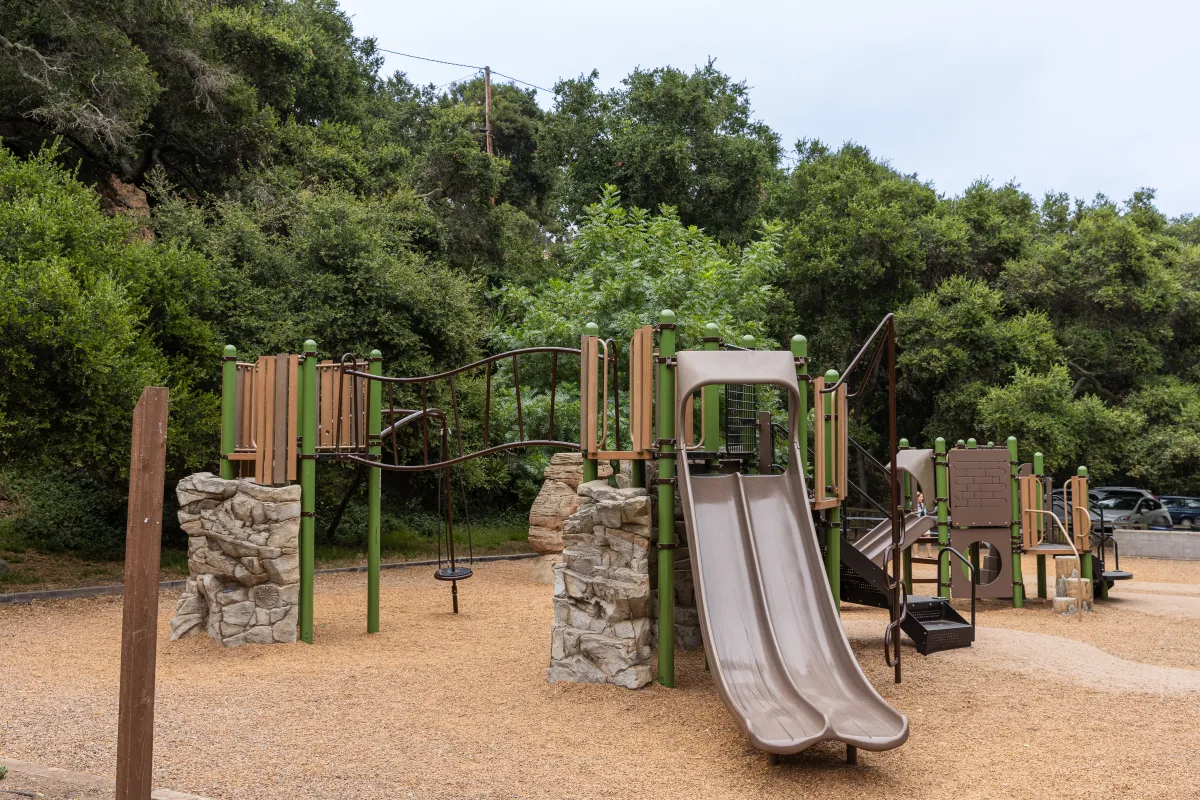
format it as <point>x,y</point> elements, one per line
<point>466,66</point>
<point>527,83</point>
<point>423,58</point>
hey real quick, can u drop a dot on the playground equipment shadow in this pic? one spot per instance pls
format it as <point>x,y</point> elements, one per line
<point>443,706</point>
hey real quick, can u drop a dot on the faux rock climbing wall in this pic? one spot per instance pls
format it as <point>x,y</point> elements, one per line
<point>602,630</point>
<point>243,561</point>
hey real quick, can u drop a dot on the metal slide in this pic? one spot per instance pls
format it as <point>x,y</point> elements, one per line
<point>875,542</point>
<point>773,638</point>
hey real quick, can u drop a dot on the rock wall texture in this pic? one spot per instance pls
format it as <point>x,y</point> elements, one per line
<point>602,628</point>
<point>557,500</point>
<point>243,561</point>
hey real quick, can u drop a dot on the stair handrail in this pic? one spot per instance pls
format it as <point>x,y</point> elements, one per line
<point>971,567</point>
<point>900,600</point>
<point>1071,543</point>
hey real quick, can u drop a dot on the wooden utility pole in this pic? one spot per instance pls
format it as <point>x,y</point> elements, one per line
<point>139,624</point>
<point>487,107</point>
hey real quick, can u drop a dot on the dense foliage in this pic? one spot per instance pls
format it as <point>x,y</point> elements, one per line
<point>179,174</point>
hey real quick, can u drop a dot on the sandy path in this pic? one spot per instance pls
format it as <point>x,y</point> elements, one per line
<point>437,706</point>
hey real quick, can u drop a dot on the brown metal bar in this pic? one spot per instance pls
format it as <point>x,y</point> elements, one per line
<point>898,611</point>
<point>392,417</point>
<point>425,420</point>
<point>454,406</point>
<point>472,365</point>
<point>553,392</point>
<point>498,448</point>
<point>517,385</point>
<point>487,404</point>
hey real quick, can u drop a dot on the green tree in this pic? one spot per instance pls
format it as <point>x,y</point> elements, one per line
<point>663,137</point>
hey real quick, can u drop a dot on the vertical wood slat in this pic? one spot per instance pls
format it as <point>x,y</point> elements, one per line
<point>818,443</point>
<point>346,410</point>
<point>279,451</point>
<point>647,387</point>
<point>139,615</point>
<point>266,442</point>
<point>293,391</point>
<point>843,442</point>
<point>325,419</point>
<point>260,438</point>
<point>239,390</point>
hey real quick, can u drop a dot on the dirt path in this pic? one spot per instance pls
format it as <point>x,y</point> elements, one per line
<point>439,706</point>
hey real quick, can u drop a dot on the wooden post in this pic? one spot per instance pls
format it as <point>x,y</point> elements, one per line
<point>139,622</point>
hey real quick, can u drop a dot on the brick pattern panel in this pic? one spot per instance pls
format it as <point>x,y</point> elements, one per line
<point>980,493</point>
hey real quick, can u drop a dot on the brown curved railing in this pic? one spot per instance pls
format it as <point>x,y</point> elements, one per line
<point>397,418</point>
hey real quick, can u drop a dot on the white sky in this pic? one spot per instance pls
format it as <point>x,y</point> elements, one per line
<point>1081,97</point>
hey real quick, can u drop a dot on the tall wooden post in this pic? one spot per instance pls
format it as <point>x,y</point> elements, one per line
<point>487,107</point>
<point>139,621</point>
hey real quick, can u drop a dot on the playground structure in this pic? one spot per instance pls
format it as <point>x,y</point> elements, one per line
<point>768,554</point>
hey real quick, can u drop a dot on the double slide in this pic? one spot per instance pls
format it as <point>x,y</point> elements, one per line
<point>773,638</point>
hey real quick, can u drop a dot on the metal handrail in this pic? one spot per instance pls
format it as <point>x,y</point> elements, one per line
<point>885,324</point>
<point>1075,550</point>
<point>473,365</point>
<point>895,584</point>
<point>969,566</point>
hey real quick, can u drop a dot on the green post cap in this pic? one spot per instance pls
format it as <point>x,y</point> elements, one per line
<point>799,346</point>
<point>376,354</point>
<point>230,351</point>
<point>591,329</point>
<point>1081,472</point>
<point>666,316</point>
<point>960,443</point>
<point>971,442</point>
<point>991,444</point>
<point>1038,463</point>
<point>904,442</point>
<point>1011,440</point>
<point>711,329</point>
<point>939,444</point>
<point>310,346</point>
<point>748,341</point>
<point>831,376</point>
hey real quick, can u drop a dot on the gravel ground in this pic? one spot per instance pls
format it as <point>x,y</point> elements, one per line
<point>443,706</point>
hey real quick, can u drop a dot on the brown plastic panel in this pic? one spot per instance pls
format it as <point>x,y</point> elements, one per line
<point>774,641</point>
<point>980,491</point>
<point>960,581</point>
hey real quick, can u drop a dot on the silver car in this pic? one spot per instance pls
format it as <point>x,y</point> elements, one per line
<point>1123,509</point>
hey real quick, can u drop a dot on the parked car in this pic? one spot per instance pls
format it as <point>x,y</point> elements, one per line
<point>1184,511</point>
<point>1132,508</point>
<point>1056,506</point>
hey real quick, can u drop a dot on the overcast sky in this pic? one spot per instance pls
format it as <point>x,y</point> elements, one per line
<point>1066,96</point>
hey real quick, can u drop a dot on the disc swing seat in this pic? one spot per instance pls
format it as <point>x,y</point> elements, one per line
<point>448,567</point>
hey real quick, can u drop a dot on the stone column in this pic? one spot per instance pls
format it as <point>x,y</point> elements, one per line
<point>243,561</point>
<point>556,501</point>
<point>602,626</point>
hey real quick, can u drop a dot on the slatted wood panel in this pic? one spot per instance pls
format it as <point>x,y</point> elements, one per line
<point>293,432</point>
<point>1031,521</point>
<point>1081,522</point>
<point>641,389</point>
<point>829,479</point>
<point>336,427</point>
<point>588,393</point>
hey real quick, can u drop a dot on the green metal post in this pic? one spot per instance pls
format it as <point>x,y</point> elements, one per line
<point>833,516</point>
<point>941,484</point>
<point>666,501</point>
<point>374,481</point>
<point>972,444</point>
<point>1018,598</point>
<point>1038,470</point>
<point>308,487</point>
<point>228,409</point>
<point>591,470</point>
<point>710,425</point>
<point>960,443</point>
<point>800,352</point>
<point>906,502</point>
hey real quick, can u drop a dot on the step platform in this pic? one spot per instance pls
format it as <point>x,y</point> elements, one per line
<point>934,625</point>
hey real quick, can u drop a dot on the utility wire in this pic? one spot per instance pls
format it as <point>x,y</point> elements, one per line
<point>466,66</point>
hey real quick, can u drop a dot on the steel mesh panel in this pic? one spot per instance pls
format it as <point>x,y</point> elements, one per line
<point>741,418</point>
